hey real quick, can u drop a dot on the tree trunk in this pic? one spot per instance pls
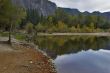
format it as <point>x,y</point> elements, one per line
<point>10,30</point>
<point>9,37</point>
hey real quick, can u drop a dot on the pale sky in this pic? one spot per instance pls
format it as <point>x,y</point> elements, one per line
<point>85,5</point>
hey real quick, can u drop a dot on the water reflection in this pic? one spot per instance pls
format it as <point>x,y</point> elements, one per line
<point>59,45</point>
<point>84,62</point>
<point>69,57</point>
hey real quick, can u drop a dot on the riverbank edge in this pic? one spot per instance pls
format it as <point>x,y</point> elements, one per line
<point>75,34</point>
<point>35,47</point>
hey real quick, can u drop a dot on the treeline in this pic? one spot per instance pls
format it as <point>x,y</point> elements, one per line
<point>64,22</point>
<point>61,21</point>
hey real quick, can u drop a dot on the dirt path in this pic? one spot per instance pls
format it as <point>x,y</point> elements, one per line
<point>22,58</point>
<point>5,48</point>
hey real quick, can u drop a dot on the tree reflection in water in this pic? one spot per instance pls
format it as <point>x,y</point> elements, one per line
<point>59,45</point>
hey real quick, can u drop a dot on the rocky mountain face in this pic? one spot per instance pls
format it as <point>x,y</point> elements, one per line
<point>44,7</point>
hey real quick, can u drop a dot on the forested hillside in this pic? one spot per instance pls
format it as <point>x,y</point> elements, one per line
<point>63,21</point>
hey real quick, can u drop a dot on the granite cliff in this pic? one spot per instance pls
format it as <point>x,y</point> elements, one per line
<point>44,7</point>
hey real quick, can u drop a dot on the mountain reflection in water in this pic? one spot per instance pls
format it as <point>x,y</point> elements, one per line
<point>84,62</point>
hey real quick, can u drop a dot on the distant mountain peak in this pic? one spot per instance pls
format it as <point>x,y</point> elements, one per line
<point>76,11</point>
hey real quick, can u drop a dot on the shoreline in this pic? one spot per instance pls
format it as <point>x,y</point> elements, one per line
<point>74,34</point>
<point>49,66</point>
<point>21,57</point>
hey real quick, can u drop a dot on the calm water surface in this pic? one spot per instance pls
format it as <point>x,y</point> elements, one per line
<point>77,54</point>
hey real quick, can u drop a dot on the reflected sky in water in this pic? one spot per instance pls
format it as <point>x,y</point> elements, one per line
<point>84,62</point>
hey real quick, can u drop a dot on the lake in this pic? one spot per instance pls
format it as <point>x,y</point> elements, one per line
<point>77,54</point>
